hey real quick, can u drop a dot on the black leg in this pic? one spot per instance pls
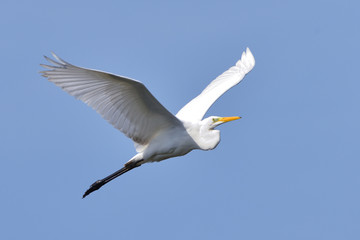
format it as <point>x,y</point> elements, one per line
<point>99,183</point>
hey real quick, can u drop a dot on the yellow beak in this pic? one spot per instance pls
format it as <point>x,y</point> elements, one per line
<point>228,119</point>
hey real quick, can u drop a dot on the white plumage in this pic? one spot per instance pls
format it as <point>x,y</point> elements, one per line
<point>196,108</point>
<point>125,103</point>
<point>131,108</point>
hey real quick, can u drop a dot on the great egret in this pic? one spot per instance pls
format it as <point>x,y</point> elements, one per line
<point>130,107</point>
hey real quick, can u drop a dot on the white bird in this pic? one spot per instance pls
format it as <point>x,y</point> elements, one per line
<point>129,106</point>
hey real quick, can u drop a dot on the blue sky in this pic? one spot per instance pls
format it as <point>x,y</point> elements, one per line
<point>289,169</point>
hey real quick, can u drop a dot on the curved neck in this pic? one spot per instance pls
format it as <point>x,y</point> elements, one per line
<point>209,139</point>
<point>205,138</point>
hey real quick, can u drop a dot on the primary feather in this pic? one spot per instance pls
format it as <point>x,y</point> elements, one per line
<point>196,108</point>
<point>125,103</point>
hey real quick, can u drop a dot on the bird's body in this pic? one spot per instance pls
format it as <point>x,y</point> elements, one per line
<point>168,143</point>
<point>132,109</point>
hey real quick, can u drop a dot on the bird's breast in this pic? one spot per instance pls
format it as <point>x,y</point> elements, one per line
<point>168,144</point>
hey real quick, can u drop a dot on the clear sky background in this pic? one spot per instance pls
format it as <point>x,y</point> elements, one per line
<point>289,169</point>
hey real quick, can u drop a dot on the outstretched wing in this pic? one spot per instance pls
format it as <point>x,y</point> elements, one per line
<point>123,102</point>
<point>196,108</point>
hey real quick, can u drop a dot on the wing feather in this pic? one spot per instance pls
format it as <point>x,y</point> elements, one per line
<point>196,108</point>
<point>125,103</point>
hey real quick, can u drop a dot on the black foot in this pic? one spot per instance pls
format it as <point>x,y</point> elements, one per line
<point>95,186</point>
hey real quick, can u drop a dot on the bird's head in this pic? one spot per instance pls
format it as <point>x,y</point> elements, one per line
<point>208,138</point>
<point>215,121</point>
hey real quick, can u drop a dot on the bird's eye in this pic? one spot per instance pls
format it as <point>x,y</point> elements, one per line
<point>215,120</point>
